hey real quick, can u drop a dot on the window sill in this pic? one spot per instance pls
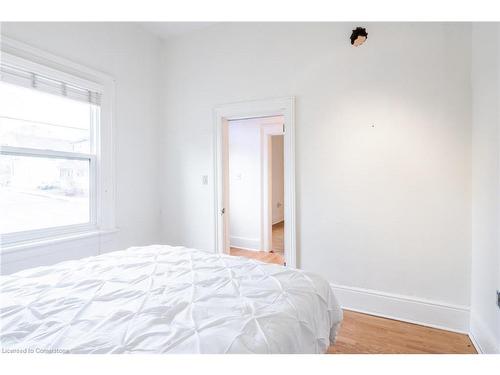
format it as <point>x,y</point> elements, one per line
<point>54,240</point>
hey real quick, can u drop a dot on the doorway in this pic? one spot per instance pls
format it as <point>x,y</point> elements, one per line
<point>253,218</point>
<point>256,187</point>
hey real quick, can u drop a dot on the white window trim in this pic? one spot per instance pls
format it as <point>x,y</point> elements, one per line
<point>103,212</point>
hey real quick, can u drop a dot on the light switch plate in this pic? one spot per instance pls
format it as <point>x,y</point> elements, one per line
<point>204,180</point>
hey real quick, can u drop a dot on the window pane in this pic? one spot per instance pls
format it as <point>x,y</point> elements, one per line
<point>38,193</point>
<point>35,119</point>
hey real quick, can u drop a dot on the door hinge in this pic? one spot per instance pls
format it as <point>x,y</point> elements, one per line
<point>223,211</point>
<point>283,128</point>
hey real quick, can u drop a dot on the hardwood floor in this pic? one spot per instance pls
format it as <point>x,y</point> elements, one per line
<point>367,334</point>
<point>263,256</point>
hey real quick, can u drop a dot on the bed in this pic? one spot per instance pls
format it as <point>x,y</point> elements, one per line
<point>163,299</point>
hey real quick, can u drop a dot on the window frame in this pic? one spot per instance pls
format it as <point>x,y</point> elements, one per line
<point>101,154</point>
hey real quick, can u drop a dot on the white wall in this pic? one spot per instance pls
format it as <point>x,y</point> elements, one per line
<point>382,139</point>
<point>245,181</point>
<point>132,57</point>
<point>278,178</point>
<point>485,315</point>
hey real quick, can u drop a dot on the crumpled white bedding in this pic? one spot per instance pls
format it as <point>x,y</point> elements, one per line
<point>163,299</point>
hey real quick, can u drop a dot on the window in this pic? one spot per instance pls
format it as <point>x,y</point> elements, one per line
<point>50,129</point>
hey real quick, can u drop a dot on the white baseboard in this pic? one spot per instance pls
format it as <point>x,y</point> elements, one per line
<point>245,243</point>
<point>482,338</point>
<point>405,308</point>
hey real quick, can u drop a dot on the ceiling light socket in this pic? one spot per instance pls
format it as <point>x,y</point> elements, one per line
<point>358,36</point>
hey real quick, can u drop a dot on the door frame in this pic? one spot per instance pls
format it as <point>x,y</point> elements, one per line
<point>285,107</point>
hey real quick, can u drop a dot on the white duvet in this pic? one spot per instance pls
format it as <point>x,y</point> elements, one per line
<point>162,299</point>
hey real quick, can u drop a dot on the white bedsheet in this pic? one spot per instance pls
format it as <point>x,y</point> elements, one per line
<point>162,299</point>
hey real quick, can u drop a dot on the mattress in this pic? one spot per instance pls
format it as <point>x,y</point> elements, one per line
<point>163,299</point>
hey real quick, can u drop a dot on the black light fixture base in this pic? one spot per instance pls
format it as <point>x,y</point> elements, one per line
<point>358,36</point>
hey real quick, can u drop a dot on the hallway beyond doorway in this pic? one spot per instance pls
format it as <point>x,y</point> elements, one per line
<point>277,240</point>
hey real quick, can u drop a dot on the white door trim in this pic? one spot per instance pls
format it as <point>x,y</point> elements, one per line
<point>252,109</point>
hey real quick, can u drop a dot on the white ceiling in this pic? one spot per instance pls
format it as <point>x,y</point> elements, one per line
<point>169,29</point>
